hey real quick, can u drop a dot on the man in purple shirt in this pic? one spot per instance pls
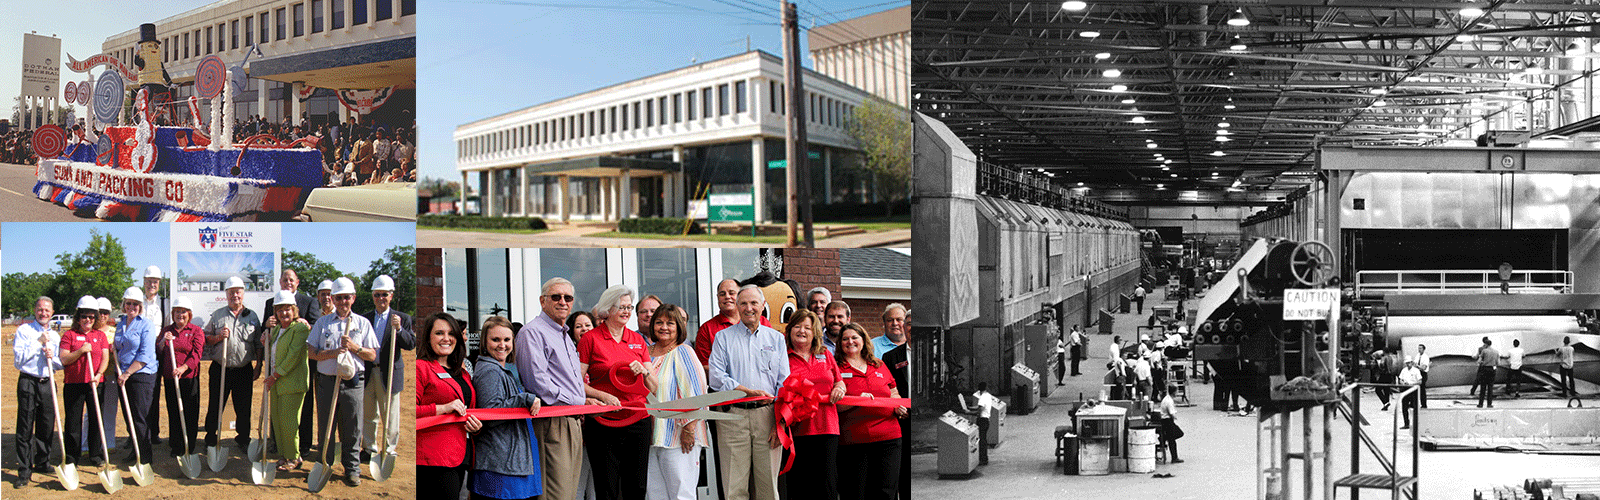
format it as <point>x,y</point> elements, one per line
<point>548,365</point>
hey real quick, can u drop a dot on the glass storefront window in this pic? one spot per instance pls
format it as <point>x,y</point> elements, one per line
<point>738,264</point>
<point>670,274</point>
<point>493,287</point>
<point>455,283</point>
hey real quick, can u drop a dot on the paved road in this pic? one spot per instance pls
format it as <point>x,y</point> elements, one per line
<point>433,238</point>
<point>17,203</point>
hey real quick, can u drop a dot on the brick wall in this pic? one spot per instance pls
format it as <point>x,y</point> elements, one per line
<point>869,313</point>
<point>813,267</point>
<point>430,281</point>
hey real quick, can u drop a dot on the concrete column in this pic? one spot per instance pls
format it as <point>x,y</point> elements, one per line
<point>758,99</point>
<point>261,98</point>
<point>563,207</point>
<point>522,187</point>
<point>758,166</point>
<point>827,178</point>
<point>463,196</point>
<point>488,198</point>
<point>626,189</point>
<point>679,194</point>
<point>295,106</point>
<point>605,198</point>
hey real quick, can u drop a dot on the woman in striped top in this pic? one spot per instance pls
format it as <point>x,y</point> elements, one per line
<point>675,444</point>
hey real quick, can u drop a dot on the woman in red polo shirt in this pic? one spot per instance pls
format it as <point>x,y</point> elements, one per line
<point>618,443</point>
<point>443,386</point>
<point>84,351</point>
<point>869,437</point>
<point>816,439</point>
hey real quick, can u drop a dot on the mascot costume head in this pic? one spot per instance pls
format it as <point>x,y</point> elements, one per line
<point>783,298</point>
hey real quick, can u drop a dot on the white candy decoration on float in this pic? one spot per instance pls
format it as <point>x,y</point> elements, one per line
<point>216,121</point>
<point>225,137</point>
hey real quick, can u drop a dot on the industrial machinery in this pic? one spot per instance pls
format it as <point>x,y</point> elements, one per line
<point>1025,397</point>
<point>958,446</point>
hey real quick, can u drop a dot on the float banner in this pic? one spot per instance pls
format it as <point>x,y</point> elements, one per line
<point>205,255</point>
<point>41,66</point>
<point>159,196</point>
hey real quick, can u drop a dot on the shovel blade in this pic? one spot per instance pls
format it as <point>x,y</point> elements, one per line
<point>217,457</point>
<point>381,466</point>
<point>263,473</point>
<point>254,452</point>
<point>68,475</point>
<point>143,475</point>
<point>191,465</point>
<point>111,480</point>
<point>319,477</point>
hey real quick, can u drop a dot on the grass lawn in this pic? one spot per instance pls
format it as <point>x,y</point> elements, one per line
<point>484,230</point>
<point>726,238</point>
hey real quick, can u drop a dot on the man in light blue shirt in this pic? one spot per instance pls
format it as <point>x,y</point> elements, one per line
<point>547,362</point>
<point>752,359</point>
<point>136,356</point>
<point>34,351</point>
<point>894,330</point>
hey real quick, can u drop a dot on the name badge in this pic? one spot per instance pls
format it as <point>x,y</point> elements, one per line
<point>82,338</point>
<point>445,376</point>
<point>820,357</point>
<point>901,364</point>
<point>878,374</point>
<point>635,346</point>
<point>767,348</point>
<point>847,375</point>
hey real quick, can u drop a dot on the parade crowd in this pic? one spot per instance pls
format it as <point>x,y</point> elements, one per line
<point>565,359</point>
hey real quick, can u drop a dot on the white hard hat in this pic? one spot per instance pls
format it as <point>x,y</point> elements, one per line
<point>233,282</point>
<point>283,297</point>
<point>133,293</point>
<point>152,272</point>
<point>104,304</point>
<point>383,282</point>
<point>326,285</point>
<point>343,286</point>
<point>88,302</point>
<point>183,303</point>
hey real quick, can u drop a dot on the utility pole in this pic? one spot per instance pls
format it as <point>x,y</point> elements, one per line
<point>797,166</point>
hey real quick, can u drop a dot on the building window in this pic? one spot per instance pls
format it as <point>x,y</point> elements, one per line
<point>671,273</point>
<point>385,9</point>
<point>234,34</point>
<point>197,43</point>
<point>705,102</point>
<point>722,100</point>
<point>316,15</point>
<point>358,12</point>
<point>688,107</point>
<point>649,112</point>
<point>209,34</point>
<point>612,121</point>
<point>740,103</point>
<point>185,45</point>
<point>338,14</point>
<point>408,7</point>
<point>635,115</point>
<point>264,37</point>
<point>592,129</point>
<point>677,108</point>
<point>584,267</point>
<point>283,23</point>
<point>299,20</point>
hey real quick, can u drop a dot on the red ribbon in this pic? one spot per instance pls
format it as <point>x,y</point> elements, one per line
<point>547,412</point>
<point>625,380</point>
<point>798,400</point>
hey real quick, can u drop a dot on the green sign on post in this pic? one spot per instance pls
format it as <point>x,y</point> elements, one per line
<point>732,207</point>
<point>776,164</point>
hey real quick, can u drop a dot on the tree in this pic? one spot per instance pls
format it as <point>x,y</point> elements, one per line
<point>441,188</point>
<point>100,270</point>
<point>310,270</point>
<point>883,131</point>
<point>399,263</point>
<point>20,292</point>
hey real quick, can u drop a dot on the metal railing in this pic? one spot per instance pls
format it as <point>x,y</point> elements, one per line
<point>1463,281</point>
<point>1007,183</point>
<point>1350,404</point>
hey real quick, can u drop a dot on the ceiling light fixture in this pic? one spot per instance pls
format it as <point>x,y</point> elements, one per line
<point>1164,169</point>
<point>1174,176</point>
<point>1229,105</point>
<point>1466,37</point>
<point>1089,34</point>
<point>1471,12</point>
<point>1380,103</point>
<point>1128,101</point>
<point>1218,153</point>
<point>1378,91</point>
<point>1223,123</point>
<point>1103,55</point>
<point>1166,162</point>
<point>1161,186</point>
<point>1238,18</point>
<point>1119,88</point>
<point>1111,73</point>
<point>1150,145</point>
<point>1223,138</point>
<point>1074,5</point>
<point>1138,119</point>
<point>1237,44</point>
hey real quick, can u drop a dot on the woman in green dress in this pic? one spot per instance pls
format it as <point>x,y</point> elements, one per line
<point>289,380</point>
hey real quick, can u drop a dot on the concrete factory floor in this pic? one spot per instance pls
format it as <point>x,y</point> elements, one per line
<point>1218,450</point>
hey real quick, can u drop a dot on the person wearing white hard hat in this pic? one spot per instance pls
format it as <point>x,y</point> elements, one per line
<point>307,313</point>
<point>289,378</point>
<point>136,360</point>
<point>84,351</point>
<point>232,344</point>
<point>153,307</point>
<point>325,298</point>
<point>179,350</point>
<point>340,343</point>
<point>109,402</point>
<point>385,318</point>
<point>35,352</point>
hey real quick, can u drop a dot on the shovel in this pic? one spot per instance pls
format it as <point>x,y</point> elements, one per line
<point>142,475</point>
<point>382,464</point>
<point>321,471</point>
<point>66,472</point>
<point>262,472</point>
<point>189,462</point>
<point>217,454</point>
<point>110,477</point>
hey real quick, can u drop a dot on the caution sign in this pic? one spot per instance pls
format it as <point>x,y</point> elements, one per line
<point>1309,304</point>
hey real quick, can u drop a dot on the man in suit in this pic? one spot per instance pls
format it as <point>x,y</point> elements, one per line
<point>309,310</point>
<point>385,319</point>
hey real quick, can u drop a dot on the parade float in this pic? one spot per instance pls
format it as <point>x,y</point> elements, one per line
<point>135,170</point>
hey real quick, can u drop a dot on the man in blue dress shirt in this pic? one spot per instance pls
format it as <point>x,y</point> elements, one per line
<point>34,352</point>
<point>752,359</point>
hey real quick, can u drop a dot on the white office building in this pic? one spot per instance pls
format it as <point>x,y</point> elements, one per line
<point>655,146</point>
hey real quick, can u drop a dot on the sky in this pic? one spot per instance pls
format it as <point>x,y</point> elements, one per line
<point>82,25</point>
<point>31,247</point>
<point>485,58</point>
